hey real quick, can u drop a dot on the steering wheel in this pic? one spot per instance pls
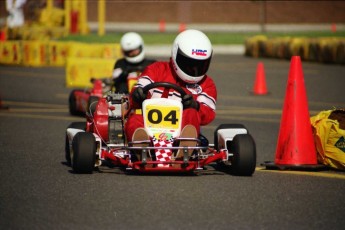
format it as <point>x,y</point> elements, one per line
<point>166,85</point>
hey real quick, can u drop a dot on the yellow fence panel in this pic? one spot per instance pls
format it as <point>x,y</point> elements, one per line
<point>84,50</point>
<point>54,53</point>
<point>79,71</point>
<point>58,53</point>
<point>35,53</point>
<point>112,51</point>
<point>10,52</point>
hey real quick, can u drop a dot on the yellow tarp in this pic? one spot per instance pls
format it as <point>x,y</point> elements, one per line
<point>329,140</point>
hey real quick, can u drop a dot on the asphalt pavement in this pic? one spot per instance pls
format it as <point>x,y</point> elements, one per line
<point>39,191</point>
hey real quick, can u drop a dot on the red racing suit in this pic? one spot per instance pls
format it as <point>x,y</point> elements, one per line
<point>204,92</point>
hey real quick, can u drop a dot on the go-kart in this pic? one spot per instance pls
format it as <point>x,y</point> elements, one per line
<point>80,99</point>
<point>101,140</point>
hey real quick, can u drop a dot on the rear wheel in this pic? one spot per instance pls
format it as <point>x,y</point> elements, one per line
<point>92,103</point>
<point>243,161</point>
<point>74,125</point>
<point>72,103</point>
<point>84,152</point>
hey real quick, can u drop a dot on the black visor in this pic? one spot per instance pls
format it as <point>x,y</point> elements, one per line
<point>133,52</point>
<point>192,67</point>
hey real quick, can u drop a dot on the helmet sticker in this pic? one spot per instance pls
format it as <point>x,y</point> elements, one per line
<point>199,52</point>
<point>194,88</point>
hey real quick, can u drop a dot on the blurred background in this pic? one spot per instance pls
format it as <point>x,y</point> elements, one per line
<point>36,31</point>
<point>83,15</point>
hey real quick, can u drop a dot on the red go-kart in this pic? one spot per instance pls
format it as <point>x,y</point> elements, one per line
<point>81,99</point>
<point>101,140</point>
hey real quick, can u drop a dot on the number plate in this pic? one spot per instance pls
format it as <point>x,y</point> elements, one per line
<point>161,116</point>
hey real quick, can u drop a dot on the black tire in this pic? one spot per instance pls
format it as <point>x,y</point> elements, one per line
<point>243,162</point>
<point>72,103</point>
<point>75,125</point>
<point>84,152</point>
<point>92,103</point>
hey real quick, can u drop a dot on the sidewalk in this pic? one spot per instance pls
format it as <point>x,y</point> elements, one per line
<point>165,50</point>
<point>218,28</point>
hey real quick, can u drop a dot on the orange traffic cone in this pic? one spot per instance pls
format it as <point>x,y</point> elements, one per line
<point>182,27</point>
<point>295,147</point>
<point>162,26</point>
<point>260,87</point>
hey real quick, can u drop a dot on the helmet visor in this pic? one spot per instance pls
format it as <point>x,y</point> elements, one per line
<point>192,67</point>
<point>134,52</point>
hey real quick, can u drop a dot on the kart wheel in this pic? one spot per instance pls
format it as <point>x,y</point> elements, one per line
<point>84,152</point>
<point>75,125</point>
<point>225,126</point>
<point>72,102</point>
<point>92,103</point>
<point>244,158</point>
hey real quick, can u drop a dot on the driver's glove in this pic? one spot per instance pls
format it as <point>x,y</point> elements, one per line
<point>189,102</point>
<point>138,95</point>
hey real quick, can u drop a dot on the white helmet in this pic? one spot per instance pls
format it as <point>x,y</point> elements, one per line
<point>191,55</point>
<point>132,47</point>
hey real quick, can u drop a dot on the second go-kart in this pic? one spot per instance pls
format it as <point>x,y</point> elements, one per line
<point>81,99</point>
<point>101,140</point>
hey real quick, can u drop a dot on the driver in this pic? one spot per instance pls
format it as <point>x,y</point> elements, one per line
<point>133,63</point>
<point>189,62</point>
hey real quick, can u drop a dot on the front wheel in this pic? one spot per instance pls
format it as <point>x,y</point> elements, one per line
<point>84,152</point>
<point>243,161</point>
<point>75,125</point>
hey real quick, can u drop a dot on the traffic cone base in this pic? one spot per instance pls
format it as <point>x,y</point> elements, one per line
<point>313,167</point>
<point>295,146</point>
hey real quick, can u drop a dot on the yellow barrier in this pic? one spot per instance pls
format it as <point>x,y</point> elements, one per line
<point>84,50</point>
<point>53,53</point>
<point>79,71</point>
<point>253,45</point>
<point>10,52</point>
<point>95,50</point>
<point>35,53</point>
<point>58,52</point>
<point>112,51</point>
<point>326,50</point>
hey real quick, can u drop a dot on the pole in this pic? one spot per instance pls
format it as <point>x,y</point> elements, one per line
<point>83,17</point>
<point>67,15</point>
<point>101,17</point>
<point>263,16</point>
<point>49,5</point>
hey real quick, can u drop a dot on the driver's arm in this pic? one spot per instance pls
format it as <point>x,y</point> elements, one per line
<point>207,101</point>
